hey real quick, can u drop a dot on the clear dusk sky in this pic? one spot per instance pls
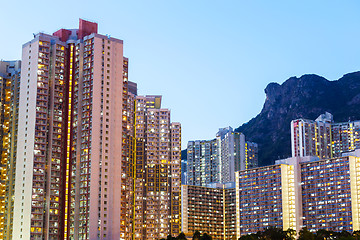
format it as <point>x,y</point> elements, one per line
<point>211,60</point>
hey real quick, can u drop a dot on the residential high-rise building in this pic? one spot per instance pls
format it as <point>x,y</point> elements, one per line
<point>156,168</point>
<point>234,153</point>
<point>251,155</point>
<point>291,194</point>
<point>345,137</point>
<point>184,171</point>
<point>70,167</point>
<point>202,163</point>
<point>300,192</point>
<point>312,138</point>
<point>324,138</point>
<point>84,157</point>
<point>229,211</point>
<point>209,209</point>
<point>329,194</point>
<point>265,197</point>
<point>217,160</point>
<point>9,106</point>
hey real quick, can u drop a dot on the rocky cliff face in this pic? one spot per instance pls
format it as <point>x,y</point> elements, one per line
<point>304,97</point>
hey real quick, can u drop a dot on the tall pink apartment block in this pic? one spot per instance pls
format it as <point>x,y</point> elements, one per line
<point>70,167</point>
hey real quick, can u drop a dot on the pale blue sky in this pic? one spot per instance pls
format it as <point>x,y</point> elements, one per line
<point>211,60</point>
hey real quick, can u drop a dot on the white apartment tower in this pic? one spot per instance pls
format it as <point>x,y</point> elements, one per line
<point>323,137</point>
<point>231,153</point>
<point>202,162</point>
<point>312,138</point>
<point>217,160</point>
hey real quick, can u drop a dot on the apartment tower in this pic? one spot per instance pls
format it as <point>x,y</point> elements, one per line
<point>251,155</point>
<point>345,137</point>
<point>202,162</point>
<point>69,166</point>
<point>155,163</point>
<point>234,153</point>
<point>9,106</point>
<point>323,137</point>
<point>312,138</point>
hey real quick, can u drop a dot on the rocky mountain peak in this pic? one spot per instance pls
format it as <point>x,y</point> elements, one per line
<point>305,97</point>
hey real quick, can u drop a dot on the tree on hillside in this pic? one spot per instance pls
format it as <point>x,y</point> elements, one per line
<point>271,233</point>
<point>196,235</point>
<point>169,237</point>
<point>290,234</point>
<point>277,233</point>
<point>206,236</point>
<point>305,234</point>
<point>181,236</point>
<point>249,237</point>
<point>344,235</point>
<point>356,235</point>
<point>323,234</point>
